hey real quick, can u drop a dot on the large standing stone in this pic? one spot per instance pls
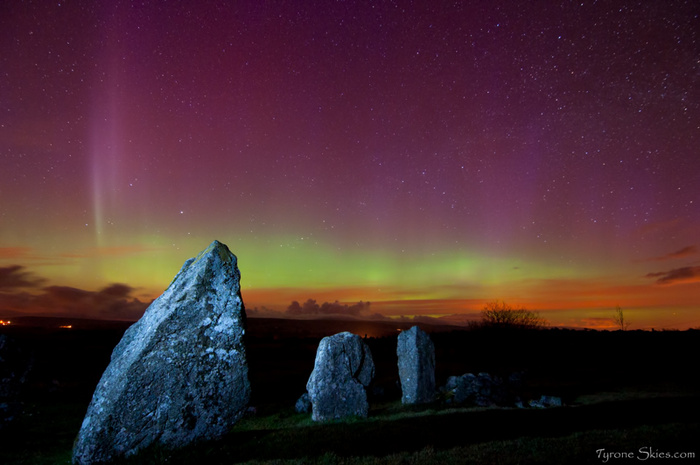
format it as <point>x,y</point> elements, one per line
<point>180,373</point>
<point>416,354</point>
<point>343,369</point>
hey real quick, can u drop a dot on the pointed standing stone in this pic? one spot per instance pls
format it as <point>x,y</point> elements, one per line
<point>342,370</point>
<point>416,354</point>
<point>180,373</point>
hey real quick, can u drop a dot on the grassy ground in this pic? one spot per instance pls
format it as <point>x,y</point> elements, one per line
<point>577,448</point>
<point>43,435</point>
<point>394,434</point>
<point>650,400</point>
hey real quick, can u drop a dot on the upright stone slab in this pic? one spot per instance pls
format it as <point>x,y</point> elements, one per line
<point>180,373</point>
<point>343,369</point>
<point>416,354</point>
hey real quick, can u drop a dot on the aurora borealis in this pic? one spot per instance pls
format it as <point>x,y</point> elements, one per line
<point>425,156</point>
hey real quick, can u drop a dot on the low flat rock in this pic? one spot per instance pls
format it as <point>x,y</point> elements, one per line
<point>180,373</point>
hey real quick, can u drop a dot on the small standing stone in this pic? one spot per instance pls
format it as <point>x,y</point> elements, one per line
<point>303,404</point>
<point>342,370</point>
<point>416,354</point>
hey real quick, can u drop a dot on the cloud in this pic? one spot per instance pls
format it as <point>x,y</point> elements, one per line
<point>263,312</point>
<point>14,277</point>
<point>682,253</point>
<point>14,252</point>
<point>661,227</point>
<point>596,323</point>
<point>22,293</point>
<point>310,307</point>
<point>688,274</point>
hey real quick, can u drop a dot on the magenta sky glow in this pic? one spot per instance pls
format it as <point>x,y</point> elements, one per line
<point>425,156</point>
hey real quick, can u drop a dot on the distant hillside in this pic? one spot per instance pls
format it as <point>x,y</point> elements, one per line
<point>66,323</point>
<point>317,328</point>
<point>257,327</point>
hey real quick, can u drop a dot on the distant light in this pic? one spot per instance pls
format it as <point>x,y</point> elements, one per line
<point>66,327</point>
<point>5,323</point>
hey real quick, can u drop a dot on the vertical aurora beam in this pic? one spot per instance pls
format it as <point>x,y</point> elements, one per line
<point>105,152</point>
<point>106,146</point>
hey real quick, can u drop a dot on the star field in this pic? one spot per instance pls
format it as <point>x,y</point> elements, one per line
<point>427,157</point>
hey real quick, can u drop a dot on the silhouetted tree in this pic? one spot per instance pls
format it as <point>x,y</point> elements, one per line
<point>619,319</point>
<point>499,314</point>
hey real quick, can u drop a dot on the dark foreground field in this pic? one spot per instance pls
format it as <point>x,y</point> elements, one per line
<point>625,393</point>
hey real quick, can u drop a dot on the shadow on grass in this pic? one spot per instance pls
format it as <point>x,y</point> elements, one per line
<point>42,435</point>
<point>446,434</point>
<point>397,434</point>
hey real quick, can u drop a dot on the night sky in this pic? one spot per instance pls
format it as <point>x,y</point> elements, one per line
<point>425,156</point>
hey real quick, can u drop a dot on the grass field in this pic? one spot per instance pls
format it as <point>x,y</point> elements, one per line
<point>647,406</point>
<point>397,435</point>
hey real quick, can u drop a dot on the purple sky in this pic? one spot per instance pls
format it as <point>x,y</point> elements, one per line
<point>425,156</point>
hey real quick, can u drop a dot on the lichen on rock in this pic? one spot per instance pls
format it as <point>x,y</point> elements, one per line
<point>158,387</point>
